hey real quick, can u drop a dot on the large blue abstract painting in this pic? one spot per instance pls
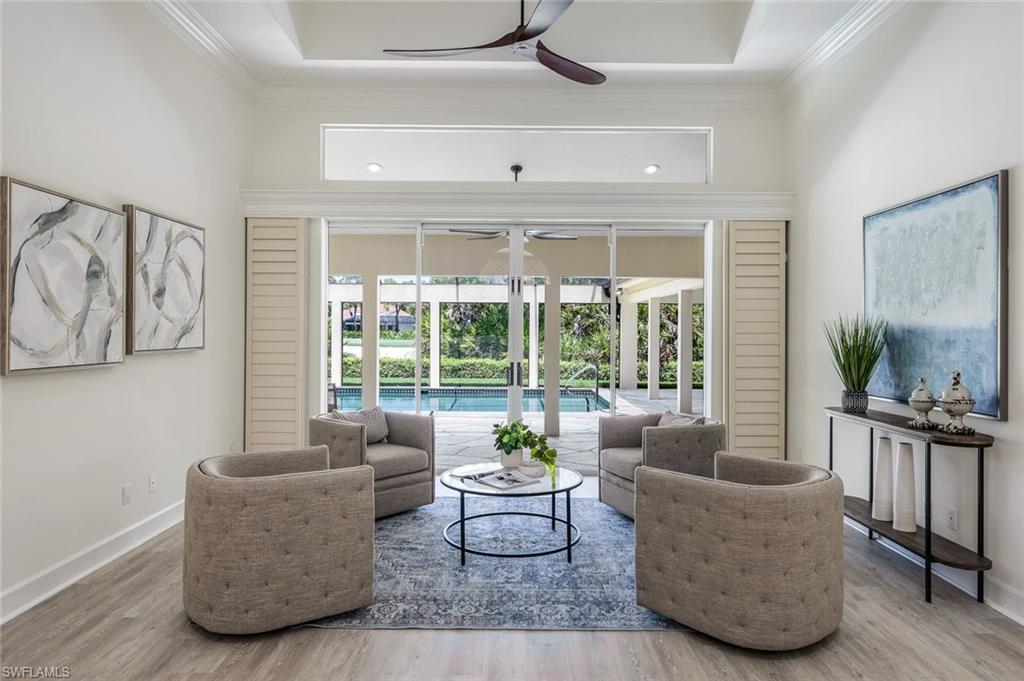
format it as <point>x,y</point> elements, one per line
<point>934,268</point>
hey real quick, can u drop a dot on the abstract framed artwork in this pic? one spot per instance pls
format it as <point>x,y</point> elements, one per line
<point>167,296</point>
<point>63,280</point>
<point>935,268</point>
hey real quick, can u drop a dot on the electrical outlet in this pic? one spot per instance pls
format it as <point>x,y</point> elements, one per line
<point>952,521</point>
<point>152,482</point>
<point>126,494</point>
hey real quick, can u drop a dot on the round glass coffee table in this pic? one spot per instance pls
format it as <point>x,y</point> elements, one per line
<point>565,482</point>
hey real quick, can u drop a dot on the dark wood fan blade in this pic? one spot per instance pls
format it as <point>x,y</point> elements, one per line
<point>544,16</point>
<point>567,67</point>
<point>503,41</point>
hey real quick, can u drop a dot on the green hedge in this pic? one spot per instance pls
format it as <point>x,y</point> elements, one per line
<point>478,370</point>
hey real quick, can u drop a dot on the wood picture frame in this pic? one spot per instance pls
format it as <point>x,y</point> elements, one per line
<point>63,323</point>
<point>938,274</point>
<point>151,326</point>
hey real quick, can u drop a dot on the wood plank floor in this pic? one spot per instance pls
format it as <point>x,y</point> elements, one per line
<point>126,622</point>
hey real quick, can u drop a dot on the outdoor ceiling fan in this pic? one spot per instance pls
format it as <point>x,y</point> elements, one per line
<point>525,42</point>
<point>541,234</point>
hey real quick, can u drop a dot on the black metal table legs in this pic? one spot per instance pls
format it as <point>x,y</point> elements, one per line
<point>981,521</point>
<point>928,522</point>
<point>871,475</point>
<point>572,533</point>
<point>568,525</point>
<point>462,528</point>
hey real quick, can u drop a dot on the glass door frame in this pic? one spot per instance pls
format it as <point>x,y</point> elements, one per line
<point>516,257</point>
<point>516,235</point>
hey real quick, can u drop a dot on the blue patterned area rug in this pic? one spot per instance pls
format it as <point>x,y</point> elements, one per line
<point>419,583</point>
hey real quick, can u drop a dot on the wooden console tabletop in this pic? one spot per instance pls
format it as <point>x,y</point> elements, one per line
<point>895,423</point>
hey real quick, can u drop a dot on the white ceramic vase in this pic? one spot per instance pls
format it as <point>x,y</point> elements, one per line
<point>513,460</point>
<point>905,504</point>
<point>881,498</point>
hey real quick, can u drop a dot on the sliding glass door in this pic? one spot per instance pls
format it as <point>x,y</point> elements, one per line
<point>660,295</point>
<point>555,324</point>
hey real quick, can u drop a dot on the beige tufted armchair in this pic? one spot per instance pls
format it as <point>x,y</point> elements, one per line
<point>626,442</point>
<point>403,466</point>
<point>274,539</point>
<point>753,557</point>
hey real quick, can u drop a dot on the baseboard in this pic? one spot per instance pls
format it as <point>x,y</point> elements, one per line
<point>45,583</point>
<point>1004,599</point>
<point>1000,596</point>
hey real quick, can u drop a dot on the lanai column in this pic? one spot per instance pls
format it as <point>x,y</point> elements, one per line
<point>337,328</point>
<point>435,344</point>
<point>534,343</point>
<point>627,345</point>
<point>653,348</point>
<point>684,354</point>
<point>552,352</point>
<point>371,331</point>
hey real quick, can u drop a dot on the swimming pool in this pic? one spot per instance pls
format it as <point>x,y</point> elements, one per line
<point>471,399</point>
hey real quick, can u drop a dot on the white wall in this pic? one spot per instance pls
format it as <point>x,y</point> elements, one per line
<point>930,99</point>
<point>103,102</point>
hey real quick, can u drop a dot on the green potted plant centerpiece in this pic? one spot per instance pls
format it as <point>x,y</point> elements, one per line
<point>856,344</point>
<point>510,439</point>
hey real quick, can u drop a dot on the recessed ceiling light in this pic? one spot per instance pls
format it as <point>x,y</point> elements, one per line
<point>374,167</point>
<point>652,168</point>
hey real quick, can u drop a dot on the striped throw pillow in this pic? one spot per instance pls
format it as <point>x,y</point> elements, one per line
<point>373,419</point>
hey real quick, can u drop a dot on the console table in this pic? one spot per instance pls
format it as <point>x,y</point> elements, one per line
<point>929,546</point>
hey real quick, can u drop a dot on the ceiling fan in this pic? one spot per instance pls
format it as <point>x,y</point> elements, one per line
<point>541,234</point>
<point>525,42</point>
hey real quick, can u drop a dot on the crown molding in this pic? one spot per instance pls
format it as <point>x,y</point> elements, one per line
<point>849,31</point>
<point>506,98</point>
<point>616,206</point>
<point>183,19</point>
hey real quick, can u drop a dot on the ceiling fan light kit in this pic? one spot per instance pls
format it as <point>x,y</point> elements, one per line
<point>525,41</point>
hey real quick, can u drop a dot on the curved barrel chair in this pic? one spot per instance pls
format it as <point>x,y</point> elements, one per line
<point>274,539</point>
<point>753,556</point>
<point>403,465</point>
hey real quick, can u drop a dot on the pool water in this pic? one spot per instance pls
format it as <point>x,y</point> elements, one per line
<point>471,399</point>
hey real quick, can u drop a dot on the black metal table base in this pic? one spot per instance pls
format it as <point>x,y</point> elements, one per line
<point>572,533</point>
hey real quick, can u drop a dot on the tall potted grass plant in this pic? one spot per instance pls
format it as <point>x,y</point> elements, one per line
<point>856,344</point>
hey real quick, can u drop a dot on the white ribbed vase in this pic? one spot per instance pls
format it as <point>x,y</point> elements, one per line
<point>904,505</point>
<point>881,498</point>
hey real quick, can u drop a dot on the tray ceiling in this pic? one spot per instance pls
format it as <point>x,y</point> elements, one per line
<point>635,42</point>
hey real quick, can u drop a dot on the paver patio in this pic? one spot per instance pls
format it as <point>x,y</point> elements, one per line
<point>465,437</point>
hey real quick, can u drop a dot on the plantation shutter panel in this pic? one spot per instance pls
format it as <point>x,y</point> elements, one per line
<point>757,339</point>
<point>275,333</point>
